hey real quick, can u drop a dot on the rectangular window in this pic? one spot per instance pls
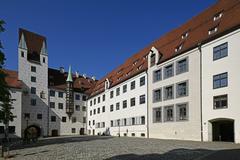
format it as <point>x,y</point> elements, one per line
<point>33,90</point>
<point>53,118</point>
<point>103,98</point>
<point>133,121</point>
<point>94,111</point>
<point>103,108</point>
<point>98,110</point>
<point>142,81</point>
<point>27,115</point>
<point>111,123</point>
<point>143,120</point>
<point>90,112</point>
<point>77,97</point>
<point>133,85</point>
<point>52,93</point>
<point>157,95</point>
<point>118,91</point>
<point>168,71</point>
<point>124,104</point>
<point>182,66</point>
<point>168,113</point>
<point>74,119</point>
<point>124,88</point>
<point>33,79</point>
<point>22,54</point>
<point>73,130</point>
<point>157,115</point>
<point>157,75</point>
<point>220,102</point>
<point>117,106</point>
<point>111,108</point>
<point>39,116</point>
<point>94,101</point>
<point>124,121</point>
<point>220,51</point>
<point>91,103</point>
<point>33,69</point>
<point>77,107</point>
<point>99,99</point>
<point>52,105</point>
<point>84,120</point>
<point>111,94</point>
<point>60,94</point>
<point>132,102</point>
<point>182,112</point>
<point>168,92</point>
<point>84,108</point>
<point>182,89</point>
<point>60,105</point>
<point>220,80</point>
<point>11,129</point>
<point>142,99</point>
<point>33,102</point>
<point>84,98</point>
<point>93,122</point>
<point>64,119</point>
<point>44,59</point>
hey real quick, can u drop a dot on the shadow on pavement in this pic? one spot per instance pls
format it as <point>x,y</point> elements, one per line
<point>58,140</point>
<point>184,154</point>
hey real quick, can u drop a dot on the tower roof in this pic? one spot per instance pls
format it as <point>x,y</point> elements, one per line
<point>69,78</point>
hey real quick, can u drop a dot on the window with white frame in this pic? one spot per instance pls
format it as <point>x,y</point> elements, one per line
<point>168,71</point>
<point>182,66</point>
<point>142,99</point>
<point>124,104</point>
<point>132,85</point>
<point>142,81</point>
<point>111,108</point>
<point>132,101</point>
<point>169,113</point>
<point>182,111</point>
<point>157,95</point>
<point>168,92</point>
<point>220,102</point>
<point>124,88</point>
<point>157,75</point>
<point>157,115</point>
<point>182,89</point>
<point>117,106</point>
<point>118,91</point>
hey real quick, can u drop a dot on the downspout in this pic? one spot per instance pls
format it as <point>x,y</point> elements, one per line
<point>200,51</point>
<point>48,114</point>
<point>147,107</point>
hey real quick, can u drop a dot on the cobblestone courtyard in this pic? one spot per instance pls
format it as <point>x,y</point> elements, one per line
<point>124,148</point>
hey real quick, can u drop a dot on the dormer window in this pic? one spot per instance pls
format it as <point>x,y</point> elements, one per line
<point>139,67</point>
<point>185,35</point>
<point>178,48</point>
<point>218,16</point>
<point>212,30</point>
<point>135,62</point>
<point>107,84</point>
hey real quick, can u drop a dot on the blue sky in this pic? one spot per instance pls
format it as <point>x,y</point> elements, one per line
<point>94,36</point>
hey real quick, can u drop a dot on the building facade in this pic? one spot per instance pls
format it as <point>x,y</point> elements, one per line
<point>182,86</point>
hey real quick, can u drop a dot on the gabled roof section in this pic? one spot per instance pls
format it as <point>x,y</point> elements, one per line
<point>184,38</point>
<point>12,79</point>
<point>33,41</point>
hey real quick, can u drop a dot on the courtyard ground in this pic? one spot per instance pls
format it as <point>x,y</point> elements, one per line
<point>124,148</point>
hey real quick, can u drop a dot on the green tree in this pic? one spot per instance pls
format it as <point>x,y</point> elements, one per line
<point>5,96</point>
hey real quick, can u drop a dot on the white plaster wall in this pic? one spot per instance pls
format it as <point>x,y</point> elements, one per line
<point>228,64</point>
<point>135,111</point>
<point>16,94</point>
<point>24,74</point>
<point>183,130</point>
<point>65,128</point>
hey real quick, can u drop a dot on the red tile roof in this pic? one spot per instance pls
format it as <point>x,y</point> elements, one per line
<point>34,41</point>
<point>12,79</point>
<point>197,29</point>
<point>57,80</point>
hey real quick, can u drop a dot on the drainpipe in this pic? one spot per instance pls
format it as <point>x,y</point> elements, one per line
<point>48,107</point>
<point>200,51</point>
<point>147,107</point>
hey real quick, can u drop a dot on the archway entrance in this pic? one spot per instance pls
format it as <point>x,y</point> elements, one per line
<point>223,130</point>
<point>32,131</point>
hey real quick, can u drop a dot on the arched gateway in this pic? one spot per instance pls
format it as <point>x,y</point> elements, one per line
<point>222,129</point>
<point>32,131</point>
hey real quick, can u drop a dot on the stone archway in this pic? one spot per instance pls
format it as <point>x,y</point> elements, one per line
<point>32,131</point>
<point>222,129</point>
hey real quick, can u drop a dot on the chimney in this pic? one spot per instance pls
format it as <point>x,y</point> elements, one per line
<point>61,69</point>
<point>77,74</point>
<point>84,75</point>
